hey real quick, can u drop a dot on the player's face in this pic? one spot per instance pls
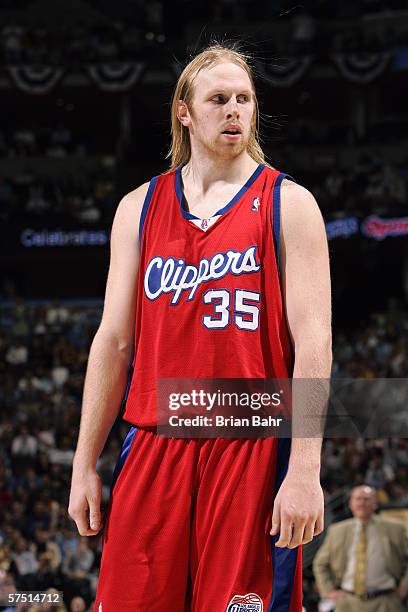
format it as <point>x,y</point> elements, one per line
<point>222,109</point>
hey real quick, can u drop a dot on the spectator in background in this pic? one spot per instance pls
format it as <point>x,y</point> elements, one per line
<point>30,480</point>
<point>88,212</point>
<point>60,375</point>
<point>7,585</point>
<point>28,387</point>
<point>379,473</point>
<point>17,354</point>
<point>45,544</point>
<point>362,565</point>
<point>68,541</point>
<point>20,326</point>
<point>77,605</point>
<point>77,564</point>
<point>46,575</point>
<point>64,454</point>
<point>37,203</point>
<point>26,563</point>
<point>76,569</point>
<point>23,449</point>
<point>39,518</point>
<point>57,315</point>
<point>51,607</point>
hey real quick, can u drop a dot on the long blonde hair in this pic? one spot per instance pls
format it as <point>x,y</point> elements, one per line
<point>180,150</point>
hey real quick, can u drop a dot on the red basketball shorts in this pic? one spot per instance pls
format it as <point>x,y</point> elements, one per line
<point>187,528</point>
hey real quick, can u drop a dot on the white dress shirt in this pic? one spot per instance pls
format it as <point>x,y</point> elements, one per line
<point>377,577</point>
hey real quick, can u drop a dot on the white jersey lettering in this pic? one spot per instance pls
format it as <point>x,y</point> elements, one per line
<point>175,276</point>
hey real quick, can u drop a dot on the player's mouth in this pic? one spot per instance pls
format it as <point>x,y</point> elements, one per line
<point>232,132</point>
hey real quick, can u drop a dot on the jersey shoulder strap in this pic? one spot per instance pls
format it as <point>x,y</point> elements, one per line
<point>276,206</point>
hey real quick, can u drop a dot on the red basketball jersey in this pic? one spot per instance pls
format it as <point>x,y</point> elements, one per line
<point>209,301</point>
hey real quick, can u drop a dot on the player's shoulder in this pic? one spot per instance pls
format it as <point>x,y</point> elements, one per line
<point>295,195</point>
<point>128,212</point>
<point>300,213</point>
<point>134,199</point>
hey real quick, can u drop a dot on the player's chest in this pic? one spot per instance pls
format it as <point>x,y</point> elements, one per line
<point>185,257</point>
<point>207,206</point>
<point>244,221</point>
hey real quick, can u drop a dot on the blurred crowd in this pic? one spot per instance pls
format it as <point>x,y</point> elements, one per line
<point>370,186</point>
<point>44,350</point>
<point>379,463</point>
<point>87,196</point>
<point>75,45</point>
<point>41,141</point>
<point>138,29</point>
<point>378,351</point>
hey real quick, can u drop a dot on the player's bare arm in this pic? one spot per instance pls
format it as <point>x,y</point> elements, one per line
<point>306,289</point>
<point>108,363</point>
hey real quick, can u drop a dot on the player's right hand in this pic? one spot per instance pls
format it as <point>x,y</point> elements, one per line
<point>85,501</point>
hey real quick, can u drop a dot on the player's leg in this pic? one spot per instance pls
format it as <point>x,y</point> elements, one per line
<point>145,552</point>
<point>233,559</point>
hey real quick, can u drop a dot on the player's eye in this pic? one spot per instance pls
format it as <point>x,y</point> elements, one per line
<point>222,99</point>
<point>218,98</point>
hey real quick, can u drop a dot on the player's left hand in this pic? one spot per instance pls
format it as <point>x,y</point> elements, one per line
<point>298,510</point>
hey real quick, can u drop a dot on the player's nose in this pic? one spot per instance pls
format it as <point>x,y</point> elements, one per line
<point>232,108</point>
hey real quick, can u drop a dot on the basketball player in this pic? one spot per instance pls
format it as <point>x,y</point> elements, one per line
<point>219,269</point>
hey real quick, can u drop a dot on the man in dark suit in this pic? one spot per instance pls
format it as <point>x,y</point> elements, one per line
<point>363,562</point>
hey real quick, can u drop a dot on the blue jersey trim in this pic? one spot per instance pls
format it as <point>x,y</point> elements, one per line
<point>129,380</point>
<point>188,215</point>
<point>124,453</point>
<point>179,193</point>
<point>243,189</point>
<point>145,208</point>
<point>283,559</point>
<point>276,205</point>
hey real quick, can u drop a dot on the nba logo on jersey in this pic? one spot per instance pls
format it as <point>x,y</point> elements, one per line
<point>251,602</point>
<point>204,224</point>
<point>256,204</point>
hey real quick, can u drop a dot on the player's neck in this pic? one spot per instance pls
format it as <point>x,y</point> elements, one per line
<point>205,172</point>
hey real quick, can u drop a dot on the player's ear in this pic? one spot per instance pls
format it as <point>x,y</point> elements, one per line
<point>183,113</point>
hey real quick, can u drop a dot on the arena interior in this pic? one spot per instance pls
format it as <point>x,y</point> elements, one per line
<point>85,95</point>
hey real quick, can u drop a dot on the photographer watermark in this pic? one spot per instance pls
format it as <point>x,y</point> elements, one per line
<point>247,408</point>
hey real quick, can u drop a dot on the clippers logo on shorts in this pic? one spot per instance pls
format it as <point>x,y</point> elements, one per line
<point>175,276</point>
<point>251,602</point>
